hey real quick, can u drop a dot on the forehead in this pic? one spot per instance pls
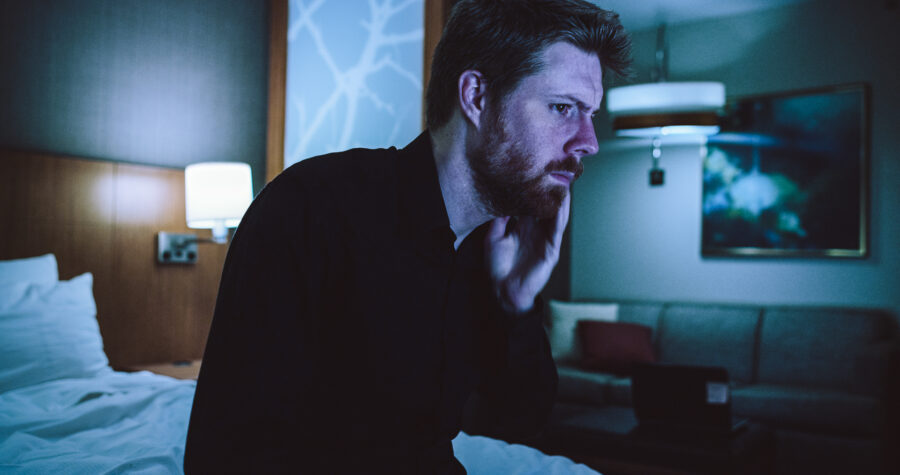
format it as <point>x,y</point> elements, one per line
<point>567,71</point>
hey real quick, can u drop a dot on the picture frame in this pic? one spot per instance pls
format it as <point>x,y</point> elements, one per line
<point>787,176</point>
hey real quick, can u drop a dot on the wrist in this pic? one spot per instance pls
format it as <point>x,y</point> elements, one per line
<point>514,303</point>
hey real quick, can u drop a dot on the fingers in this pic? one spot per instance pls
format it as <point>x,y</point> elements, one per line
<point>562,219</point>
<point>497,229</point>
<point>552,229</point>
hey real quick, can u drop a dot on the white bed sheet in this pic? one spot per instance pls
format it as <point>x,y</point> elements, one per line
<point>486,456</point>
<point>137,423</point>
<point>114,423</point>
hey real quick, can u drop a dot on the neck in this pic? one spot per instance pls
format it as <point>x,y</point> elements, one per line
<point>464,207</point>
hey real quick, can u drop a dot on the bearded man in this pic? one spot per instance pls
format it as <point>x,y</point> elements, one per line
<point>368,294</point>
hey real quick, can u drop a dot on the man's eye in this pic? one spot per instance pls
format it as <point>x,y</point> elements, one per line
<point>562,108</point>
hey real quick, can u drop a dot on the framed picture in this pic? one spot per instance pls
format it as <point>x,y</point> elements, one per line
<point>787,176</point>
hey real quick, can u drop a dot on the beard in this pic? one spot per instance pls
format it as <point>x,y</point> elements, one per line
<point>506,182</point>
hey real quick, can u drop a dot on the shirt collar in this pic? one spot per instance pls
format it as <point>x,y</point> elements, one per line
<point>422,207</point>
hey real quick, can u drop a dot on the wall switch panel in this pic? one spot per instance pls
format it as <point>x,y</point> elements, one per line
<point>172,248</point>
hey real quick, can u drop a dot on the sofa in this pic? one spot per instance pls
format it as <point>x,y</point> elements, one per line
<point>823,380</point>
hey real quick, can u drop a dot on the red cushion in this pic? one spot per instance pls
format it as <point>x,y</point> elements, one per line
<point>615,347</point>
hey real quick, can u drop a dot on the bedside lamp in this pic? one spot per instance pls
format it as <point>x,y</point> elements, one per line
<point>216,194</point>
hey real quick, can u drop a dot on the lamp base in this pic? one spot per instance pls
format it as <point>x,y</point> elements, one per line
<point>219,232</point>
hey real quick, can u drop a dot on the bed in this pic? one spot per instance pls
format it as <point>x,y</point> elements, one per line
<point>63,409</point>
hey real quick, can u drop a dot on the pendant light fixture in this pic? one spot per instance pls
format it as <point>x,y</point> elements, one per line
<point>664,108</point>
<point>661,108</point>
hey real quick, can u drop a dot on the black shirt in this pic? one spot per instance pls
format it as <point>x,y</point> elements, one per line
<point>348,333</point>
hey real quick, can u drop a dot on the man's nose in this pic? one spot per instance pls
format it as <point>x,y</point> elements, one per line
<point>585,140</point>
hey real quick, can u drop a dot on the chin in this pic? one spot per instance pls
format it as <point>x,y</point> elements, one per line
<point>550,201</point>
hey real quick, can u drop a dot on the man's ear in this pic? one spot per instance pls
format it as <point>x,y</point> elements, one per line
<point>472,95</point>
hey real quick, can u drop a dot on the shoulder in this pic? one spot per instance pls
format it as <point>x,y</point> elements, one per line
<point>348,183</point>
<point>342,172</point>
<point>354,163</point>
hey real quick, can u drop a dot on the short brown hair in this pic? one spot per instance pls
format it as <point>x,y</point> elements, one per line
<point>504,40</point>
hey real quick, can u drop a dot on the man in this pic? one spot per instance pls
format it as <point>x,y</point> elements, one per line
<point>367,294</point>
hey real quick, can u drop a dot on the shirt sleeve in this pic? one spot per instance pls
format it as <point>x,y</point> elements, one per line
<point>251,394</point>
<point>516,396</point>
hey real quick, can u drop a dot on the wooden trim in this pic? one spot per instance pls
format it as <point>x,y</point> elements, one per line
<point>437,12</point>
<point>278,19</point>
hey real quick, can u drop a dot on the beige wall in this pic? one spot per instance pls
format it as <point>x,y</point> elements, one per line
<point>630,241</point>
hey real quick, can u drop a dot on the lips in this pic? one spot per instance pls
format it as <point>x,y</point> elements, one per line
<point>565,177</point>
<point>566,170</point>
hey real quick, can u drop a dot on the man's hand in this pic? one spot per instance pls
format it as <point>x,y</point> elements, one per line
<point>521,256</point>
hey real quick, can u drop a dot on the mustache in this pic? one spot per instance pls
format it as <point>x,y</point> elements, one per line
<point>568,164</point>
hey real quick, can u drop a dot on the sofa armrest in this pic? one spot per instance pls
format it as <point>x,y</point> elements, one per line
<point>891,356</point>
<point>584,387</point>
<point>877,369</point>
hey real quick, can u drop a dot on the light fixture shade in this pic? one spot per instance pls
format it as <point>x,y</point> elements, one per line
<point>216,195</point>
<point>666,108</point>
<point>663,97</point>
<point>667,130</point>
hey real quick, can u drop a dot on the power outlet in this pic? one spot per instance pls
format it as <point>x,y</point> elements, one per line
<point>172,248</point>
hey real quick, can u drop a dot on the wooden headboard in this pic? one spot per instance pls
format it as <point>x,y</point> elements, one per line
<point>102,217</point>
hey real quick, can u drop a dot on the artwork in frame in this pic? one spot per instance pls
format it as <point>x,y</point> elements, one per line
<point>787,176</point>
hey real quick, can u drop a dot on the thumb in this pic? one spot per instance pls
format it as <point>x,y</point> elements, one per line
<point>497,229</point>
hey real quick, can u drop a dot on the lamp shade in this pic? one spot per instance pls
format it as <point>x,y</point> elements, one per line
<point>216,195</point>
<point>666,108</point>
<point>665,97</point>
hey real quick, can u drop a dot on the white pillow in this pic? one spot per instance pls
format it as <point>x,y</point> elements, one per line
<point>564,318</point>
<point>41,269</point>
<point>48,332</point>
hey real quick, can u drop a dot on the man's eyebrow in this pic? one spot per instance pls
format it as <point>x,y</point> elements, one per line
<point>578,102</point>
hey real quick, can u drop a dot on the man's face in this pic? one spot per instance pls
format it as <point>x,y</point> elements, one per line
<point>530,150</point>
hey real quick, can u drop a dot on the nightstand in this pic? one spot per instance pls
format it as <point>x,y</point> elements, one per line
<point>179,370</point>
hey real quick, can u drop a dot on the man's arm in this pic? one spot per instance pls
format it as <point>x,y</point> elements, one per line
<point>518,392</point>
<point>520,258</point>
<point>252,401</point>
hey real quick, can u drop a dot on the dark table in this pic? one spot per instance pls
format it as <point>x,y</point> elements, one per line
<point>608,439</point>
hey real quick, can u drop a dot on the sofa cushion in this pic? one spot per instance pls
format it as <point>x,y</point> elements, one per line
<point>618,391</point>
<point>578,385</point>
<point>809,409</point>
<point>564,317</point>
<point>642,313</point>
<point>824,348</point>
<point>614,347</point>
<point>710,335</point>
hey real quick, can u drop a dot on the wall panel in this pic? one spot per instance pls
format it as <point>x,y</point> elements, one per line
<point>102,217</point>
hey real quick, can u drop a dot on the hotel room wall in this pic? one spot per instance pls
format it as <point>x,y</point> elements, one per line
<point>163,82</point>
<point>633,241</point>
<point>143,87</point>
<point>102,217</point>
